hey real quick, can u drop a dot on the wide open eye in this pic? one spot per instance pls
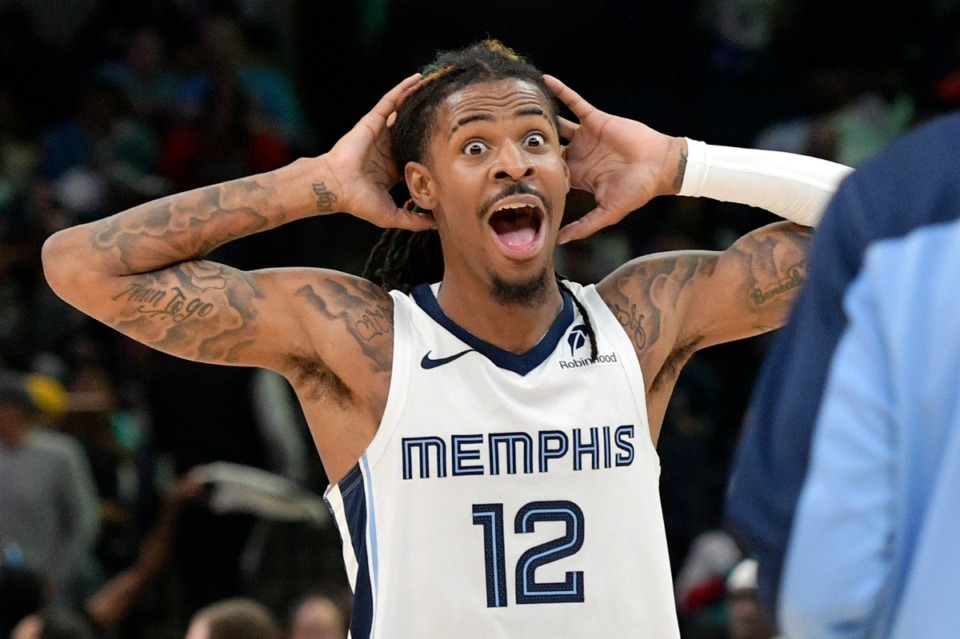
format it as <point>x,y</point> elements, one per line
<point>535,140</point>
<point>475,147</point>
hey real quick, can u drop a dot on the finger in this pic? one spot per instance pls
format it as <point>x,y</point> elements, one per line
<point>580,107</point>
<point>410,89</point>
<point>392,99</point>
<point>586,226</point>
<point>568,128</point>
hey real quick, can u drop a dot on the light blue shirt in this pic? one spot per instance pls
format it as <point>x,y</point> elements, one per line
<point>875,549</point>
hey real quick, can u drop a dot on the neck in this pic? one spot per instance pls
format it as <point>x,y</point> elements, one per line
<point>513,326</point>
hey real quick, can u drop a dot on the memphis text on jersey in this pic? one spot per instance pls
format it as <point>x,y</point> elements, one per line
<point>517,452</point>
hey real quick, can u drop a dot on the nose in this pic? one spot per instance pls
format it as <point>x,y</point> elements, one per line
<point>512,163</point>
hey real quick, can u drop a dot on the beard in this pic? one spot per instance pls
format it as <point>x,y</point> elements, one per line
<point>530,293</point>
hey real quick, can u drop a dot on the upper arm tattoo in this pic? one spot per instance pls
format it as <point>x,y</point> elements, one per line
<point>199,310</point>
<point>363,311</point>
<point>644,296</point>
<point>644,291</point>
<point>774,267</point>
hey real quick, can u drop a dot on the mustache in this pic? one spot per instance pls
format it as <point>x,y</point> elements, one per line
<point>517,188</point>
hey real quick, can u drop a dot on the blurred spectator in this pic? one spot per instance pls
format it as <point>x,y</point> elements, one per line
<point>225,55</point>
<point>32,319</point>
<point>144,77</point>
<point>113,603</point>
<point>49,518</point>
<point>221,141</point>
<point>19,158</point>
<point>239,618</point>
<point>692,478</point>
<point>863,110</point>
<point>22,593</point>
<point>744,619</point>
<point>700,586</point>
<point>114,439</point>
<point>282,425</point>
<point>743,33</point>
<point>191,428</point>
<point>100,159</point>
<point>54,623</point>
<point>317,616</point>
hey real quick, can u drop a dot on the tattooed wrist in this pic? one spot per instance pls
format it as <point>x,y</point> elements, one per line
<point>325,199</point>
<point>681,169</point>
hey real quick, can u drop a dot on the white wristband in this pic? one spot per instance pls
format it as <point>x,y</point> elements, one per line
<point>795,187</point>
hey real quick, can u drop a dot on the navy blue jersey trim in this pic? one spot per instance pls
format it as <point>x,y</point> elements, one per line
<point>355,509</point>
<point>520,364</point>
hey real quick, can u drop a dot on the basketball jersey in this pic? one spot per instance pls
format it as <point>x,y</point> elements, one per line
<point>508,495</point>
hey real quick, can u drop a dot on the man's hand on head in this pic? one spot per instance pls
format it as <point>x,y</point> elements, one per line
<point>624,163</point>
<point>362,171</point>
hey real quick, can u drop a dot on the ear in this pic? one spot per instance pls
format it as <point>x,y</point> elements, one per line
<point>421,185</point>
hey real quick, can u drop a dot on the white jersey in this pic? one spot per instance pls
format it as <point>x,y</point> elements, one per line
<point>508,495</point>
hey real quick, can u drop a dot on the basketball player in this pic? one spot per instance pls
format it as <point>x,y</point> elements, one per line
<point>490,430</point>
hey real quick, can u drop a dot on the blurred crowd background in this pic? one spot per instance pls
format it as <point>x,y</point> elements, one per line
<point>145,466</point>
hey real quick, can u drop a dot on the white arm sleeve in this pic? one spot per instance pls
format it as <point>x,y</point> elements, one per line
<point>795,187</point>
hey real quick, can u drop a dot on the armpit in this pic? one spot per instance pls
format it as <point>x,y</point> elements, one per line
<point>315,382</point>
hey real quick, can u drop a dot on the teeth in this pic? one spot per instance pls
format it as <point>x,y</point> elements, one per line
<point>515,207</point>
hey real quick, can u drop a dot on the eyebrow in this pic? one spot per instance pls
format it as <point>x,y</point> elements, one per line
<point>486,117</point>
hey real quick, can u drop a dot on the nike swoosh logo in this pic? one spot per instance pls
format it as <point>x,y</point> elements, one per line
<point>428,362</point>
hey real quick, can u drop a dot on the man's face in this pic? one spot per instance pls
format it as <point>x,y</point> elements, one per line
<point>496,180</point>
<point>318,619</point>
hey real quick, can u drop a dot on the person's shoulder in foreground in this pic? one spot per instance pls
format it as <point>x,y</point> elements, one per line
<point>871,549</point>
<point>903,188</point>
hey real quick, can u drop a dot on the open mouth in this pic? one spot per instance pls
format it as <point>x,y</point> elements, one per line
<point>517,225</point>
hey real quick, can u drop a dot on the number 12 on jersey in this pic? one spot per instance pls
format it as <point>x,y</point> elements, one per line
<point>528,589</point>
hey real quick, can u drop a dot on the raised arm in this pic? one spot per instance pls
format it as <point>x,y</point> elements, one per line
<point>142,271</point>
<point>674,304</point>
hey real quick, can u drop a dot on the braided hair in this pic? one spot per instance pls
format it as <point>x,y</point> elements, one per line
<point>403,259</point>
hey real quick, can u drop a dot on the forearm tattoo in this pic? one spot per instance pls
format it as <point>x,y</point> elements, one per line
<point>185,226</point>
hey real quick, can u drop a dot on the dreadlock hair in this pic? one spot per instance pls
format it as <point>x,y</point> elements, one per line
<point>402,259</point>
